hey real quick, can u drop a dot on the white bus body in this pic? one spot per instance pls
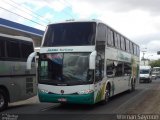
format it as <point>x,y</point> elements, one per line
<point>85,62</point>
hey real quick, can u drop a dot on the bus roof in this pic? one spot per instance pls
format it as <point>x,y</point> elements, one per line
<point>91,20</point>
<point>16,37</point>
<point>80,20</point>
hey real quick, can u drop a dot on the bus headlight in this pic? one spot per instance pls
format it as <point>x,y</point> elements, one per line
<point>85,92</point>
<point>44,91</point>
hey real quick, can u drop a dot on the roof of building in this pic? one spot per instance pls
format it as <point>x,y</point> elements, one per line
<point>20,27</point>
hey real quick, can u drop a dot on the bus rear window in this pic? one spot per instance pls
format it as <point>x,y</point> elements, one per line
<point>70,34</point>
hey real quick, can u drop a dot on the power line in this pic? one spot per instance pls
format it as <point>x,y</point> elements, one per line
<point>24,11</point>
<point>66,3</point>
<point>22,16</point>
<point>69,5</point>
<point>47,20</point>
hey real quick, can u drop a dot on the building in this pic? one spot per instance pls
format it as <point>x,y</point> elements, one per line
<point>13,28</point>
<point>144,62</point>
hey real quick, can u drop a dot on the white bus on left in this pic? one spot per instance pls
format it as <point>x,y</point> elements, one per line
<point>16,82</point>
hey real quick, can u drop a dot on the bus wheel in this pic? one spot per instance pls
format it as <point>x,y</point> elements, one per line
<point>132,85</point>
<point>3,100</point>
<point>107,95</point>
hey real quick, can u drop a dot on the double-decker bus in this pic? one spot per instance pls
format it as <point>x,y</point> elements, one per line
<point>85,62</point>
<point>16,82</point>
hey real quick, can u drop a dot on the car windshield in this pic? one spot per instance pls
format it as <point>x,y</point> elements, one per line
<point>64,68</point>
<point>156,69</point>
<point>144,71</point>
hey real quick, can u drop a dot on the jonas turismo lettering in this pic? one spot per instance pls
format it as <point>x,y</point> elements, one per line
<point>59,50</point>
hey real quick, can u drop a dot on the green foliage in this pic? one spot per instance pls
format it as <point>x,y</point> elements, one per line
<point>155,63</point>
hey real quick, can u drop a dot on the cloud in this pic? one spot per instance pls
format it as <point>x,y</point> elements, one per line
<point>153,45</point>
<point>56,5</point>
<point>46,16</point>
<point>84,9</point>
<point>124,15</point>
<point>139,20</point>
<point>151,6</point>
<point>11,11</point>
<point>6,14</point>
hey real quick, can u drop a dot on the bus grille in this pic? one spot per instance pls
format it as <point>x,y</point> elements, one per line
<point>29,85</point>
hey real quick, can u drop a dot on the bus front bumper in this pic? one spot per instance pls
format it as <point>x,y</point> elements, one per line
<point>69,98</point>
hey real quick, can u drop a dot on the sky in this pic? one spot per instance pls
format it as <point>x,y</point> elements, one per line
<point>138,20</point>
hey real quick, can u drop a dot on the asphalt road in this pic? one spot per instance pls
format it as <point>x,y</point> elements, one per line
<point>144,100</point>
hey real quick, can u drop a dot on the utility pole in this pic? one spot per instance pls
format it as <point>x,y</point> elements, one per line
<point>143,56</point>
<point>144,51</point>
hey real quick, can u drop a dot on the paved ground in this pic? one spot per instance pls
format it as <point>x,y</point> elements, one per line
<point>145,100</point>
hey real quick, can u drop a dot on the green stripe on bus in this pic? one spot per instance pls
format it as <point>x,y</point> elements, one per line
<point>79,99</point>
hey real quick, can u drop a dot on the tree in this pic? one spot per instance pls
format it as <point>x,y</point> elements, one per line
<point>155,63</point>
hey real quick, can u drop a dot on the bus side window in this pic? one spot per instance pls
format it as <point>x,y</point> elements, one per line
<point>2,48</point>
<point>101,33</point>
<point>110,71</point>
<point>127,69</point>
<point>119,69</point>
<point>13,49</point>
<point>99,68</point>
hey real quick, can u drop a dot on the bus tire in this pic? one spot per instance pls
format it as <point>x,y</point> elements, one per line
<point>107,94</point>
<point>132,85</point>
<point>3,100</point>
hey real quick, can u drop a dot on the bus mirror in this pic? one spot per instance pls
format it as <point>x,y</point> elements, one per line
<point>92,60</point>
<point>29,60</point>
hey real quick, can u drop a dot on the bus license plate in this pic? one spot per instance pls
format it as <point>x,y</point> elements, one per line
<point>62,100</point>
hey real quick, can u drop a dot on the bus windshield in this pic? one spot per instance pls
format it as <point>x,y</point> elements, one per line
<point>70,34</point>
<point>64,68</point>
